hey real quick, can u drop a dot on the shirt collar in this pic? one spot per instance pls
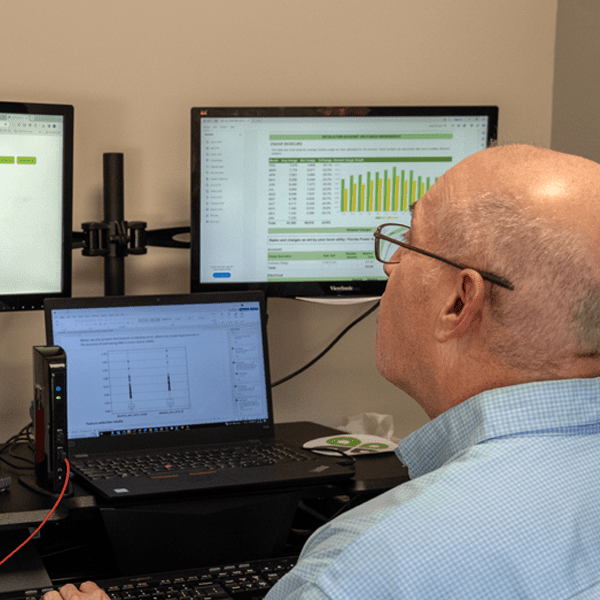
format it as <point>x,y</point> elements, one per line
<point>544,406</point>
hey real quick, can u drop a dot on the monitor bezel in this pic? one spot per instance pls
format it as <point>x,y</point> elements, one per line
<point>32,301</point>
<point>308,288</point>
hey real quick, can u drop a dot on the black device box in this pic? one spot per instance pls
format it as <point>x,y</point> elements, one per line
<point>50,416</point>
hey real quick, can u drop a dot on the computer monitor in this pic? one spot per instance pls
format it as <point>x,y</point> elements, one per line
<point>36,187</point>
<point>287,199</point>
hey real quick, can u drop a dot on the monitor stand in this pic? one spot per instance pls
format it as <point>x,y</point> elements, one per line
<point>343,301</point>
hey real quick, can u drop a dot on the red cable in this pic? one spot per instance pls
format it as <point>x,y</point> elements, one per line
<point>47,516</point>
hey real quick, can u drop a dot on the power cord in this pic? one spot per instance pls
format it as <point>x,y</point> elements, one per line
<point>331,451</point>
<point>335,341</point>
<point>22,437</point>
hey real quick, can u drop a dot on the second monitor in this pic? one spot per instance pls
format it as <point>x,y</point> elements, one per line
<point>287,199</point>
<point>36,187</point>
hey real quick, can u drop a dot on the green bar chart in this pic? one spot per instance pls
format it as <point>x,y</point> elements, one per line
<point>387,190</point>
<point>310,188</point>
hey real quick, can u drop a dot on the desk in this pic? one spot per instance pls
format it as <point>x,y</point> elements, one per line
<point>169,534</point>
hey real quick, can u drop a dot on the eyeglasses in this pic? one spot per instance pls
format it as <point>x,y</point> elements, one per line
<point>391,235</point>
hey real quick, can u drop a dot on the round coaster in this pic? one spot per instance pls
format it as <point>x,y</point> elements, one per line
<point>352,444</point>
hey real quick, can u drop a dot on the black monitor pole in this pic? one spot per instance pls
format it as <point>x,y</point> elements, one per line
<point>114,238</point>
<point>114,261</point>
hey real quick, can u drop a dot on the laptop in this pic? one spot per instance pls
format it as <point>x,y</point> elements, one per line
<point>155,384</point>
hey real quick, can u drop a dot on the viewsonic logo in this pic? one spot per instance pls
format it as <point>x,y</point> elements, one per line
<point>342,288</point>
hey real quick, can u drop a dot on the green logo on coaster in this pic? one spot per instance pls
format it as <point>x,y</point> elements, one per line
<point>344,441</point>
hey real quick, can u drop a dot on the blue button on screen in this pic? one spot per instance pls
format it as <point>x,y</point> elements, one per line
<point>221,274</point>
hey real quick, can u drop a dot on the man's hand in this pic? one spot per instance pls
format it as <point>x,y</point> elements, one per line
<point>86,591</point>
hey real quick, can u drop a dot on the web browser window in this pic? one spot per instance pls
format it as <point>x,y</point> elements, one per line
<point>291,199</point>
<point>31,193</point>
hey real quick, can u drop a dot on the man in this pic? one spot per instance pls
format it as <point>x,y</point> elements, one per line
<point>504,356</point>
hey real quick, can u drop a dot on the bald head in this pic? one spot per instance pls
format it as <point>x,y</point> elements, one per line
<point>529,215</point>
<point>562,188</point>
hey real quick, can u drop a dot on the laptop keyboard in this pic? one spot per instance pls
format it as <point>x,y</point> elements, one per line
<point>245,581</point>
<point>168,463</point>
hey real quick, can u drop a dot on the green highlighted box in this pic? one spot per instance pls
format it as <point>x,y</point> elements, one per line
<point>363,136</point>
<point>331,255</point>
<point>360,159</point>
<point>7,160</point>
<point>322,229</point>
<point>26,160</point>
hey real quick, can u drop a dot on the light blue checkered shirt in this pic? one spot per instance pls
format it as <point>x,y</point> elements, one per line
<point>503,502</point>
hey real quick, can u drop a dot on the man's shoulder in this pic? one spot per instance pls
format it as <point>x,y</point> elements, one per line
<point>498,508</point>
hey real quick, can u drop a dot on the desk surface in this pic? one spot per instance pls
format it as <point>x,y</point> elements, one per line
<point>81,515</point>
<point>20,506</point>
<point>374,472</point>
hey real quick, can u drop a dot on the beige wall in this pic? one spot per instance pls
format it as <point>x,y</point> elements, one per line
<point>133,69</point>
<point>575,122</point>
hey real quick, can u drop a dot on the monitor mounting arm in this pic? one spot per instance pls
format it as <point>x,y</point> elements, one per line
<point>114,238</point>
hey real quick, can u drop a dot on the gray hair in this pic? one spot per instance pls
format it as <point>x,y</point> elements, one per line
<point>553,315</point>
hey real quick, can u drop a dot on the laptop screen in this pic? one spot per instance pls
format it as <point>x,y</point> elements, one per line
<point>144,369</point>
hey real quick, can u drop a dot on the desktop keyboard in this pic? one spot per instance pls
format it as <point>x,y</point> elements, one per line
<point>155,465</point>
<point>245,581</point>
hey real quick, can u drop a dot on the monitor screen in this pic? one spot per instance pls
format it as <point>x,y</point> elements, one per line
<point>287,199</point>
<point>36,182</point>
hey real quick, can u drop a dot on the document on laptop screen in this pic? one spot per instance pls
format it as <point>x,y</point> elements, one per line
<point>161,367</point>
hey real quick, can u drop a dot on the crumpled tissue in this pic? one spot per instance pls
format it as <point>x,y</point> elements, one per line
<point>371,424</point>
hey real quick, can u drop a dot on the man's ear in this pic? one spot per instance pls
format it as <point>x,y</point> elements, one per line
<point>461,313</point>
